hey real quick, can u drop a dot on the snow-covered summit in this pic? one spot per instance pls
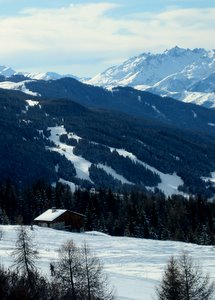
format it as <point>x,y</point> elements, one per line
<point>171,73</point>
<point>46,76</point>
<point>6,71</point>
<point>148,68</point>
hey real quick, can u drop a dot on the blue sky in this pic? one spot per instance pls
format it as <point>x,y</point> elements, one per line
<point>86,37</point>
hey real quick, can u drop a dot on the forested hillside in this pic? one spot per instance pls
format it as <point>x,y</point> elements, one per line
<point>62,140</point>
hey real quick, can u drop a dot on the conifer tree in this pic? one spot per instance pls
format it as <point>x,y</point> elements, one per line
<point>170,288</point>
<point>195,285</point>
<point>25,255</point>
<point>184,280</point>
<point>68,269</point>
<point>80,274</point>
<point>94,283</point>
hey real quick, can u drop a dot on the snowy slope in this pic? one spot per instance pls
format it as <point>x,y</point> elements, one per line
<point>134,266</point>
<point>20,86</point>
<point>171,73</point>
<point>81,165</point>
<point>169,182</point>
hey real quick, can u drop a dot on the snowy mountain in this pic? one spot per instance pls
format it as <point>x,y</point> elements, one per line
<point>46,76</point>
<point>134,266</point>
<point>8,72</point>
<point>184,74</point>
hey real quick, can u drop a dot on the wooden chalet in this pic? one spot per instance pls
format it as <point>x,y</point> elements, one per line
<point>61,219</point>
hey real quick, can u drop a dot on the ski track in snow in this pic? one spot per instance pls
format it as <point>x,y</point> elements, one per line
<point>169,182</point>
<point>114,174</point>
<point>134,266</point>
<point>81,165</point>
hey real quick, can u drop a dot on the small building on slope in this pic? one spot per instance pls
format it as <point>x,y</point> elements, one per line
<point>61,219</point>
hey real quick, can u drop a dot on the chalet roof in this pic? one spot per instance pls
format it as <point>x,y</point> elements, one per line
<point>50,215</point>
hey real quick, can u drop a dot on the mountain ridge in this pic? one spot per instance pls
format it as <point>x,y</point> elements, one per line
<point>170,73</point>
<point>123,99</point>
<point>183,74</point>
<point>9,72</point>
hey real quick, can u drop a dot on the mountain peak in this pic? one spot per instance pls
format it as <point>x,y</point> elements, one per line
<point>178,51</point>
<point>6,71</point>
<point>47,76</point>
<point>169,73</point>
<point>175,51</point>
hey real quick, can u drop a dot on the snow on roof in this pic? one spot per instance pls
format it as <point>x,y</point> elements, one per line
<point>50,215</point>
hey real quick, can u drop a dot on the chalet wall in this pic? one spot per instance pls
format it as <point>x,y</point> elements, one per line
<point>68,220</point>
<point>72,221</point>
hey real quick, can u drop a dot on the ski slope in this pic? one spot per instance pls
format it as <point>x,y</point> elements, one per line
<point>134,266</point>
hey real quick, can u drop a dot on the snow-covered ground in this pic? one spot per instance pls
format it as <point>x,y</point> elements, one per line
<point>134,266</point>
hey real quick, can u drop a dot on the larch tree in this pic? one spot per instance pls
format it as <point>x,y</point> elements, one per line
<point>94,282</point>
<point>80,274</point>
<point>195,285</point>
<point>25,255</point>
<point>185,280</point>
<point>68,269</point>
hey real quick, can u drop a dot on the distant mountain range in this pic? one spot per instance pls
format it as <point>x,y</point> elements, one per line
<point>183,74</point>
<point>9,72</point>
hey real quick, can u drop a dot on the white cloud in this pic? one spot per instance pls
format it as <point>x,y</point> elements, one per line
<point>72,37</point>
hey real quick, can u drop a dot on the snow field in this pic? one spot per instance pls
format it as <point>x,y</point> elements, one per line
<point>134,266</point>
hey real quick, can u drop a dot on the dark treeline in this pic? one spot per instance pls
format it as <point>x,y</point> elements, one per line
<point>136,214</point>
